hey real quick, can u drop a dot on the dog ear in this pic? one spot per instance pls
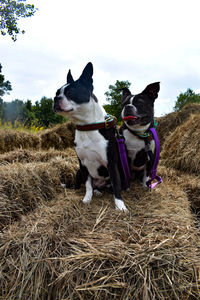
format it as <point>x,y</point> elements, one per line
<point>152,90</point>
<point>125,94</point>
<point>86,76</point>
<point>69,77</point>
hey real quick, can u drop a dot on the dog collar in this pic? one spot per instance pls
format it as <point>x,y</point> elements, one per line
<point>145,135</point>
<point>110,121</point>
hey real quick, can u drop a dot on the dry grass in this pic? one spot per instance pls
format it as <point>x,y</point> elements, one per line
<point>53,247</point>
<point>24,186</point>
<point>181,149</point>
<point>59,137</point>
<point>190,184</point>
<point>67,250</point>
<point>168,123</point>
<point>27,156</point>
<point>11,140</point>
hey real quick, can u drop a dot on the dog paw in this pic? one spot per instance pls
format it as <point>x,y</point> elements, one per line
<point>98,193</point>
<point>144,182</point>
<point>87,199</point>
<point>63,185</point>
<point>120,205</point>
<point>144,186</point>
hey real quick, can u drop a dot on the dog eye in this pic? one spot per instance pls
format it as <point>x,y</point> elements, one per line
<point>142,104</point>
<point>69,94</point>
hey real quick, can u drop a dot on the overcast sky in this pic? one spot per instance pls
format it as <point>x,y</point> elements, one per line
<point>140,41</point>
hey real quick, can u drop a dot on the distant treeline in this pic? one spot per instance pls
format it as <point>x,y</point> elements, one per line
<point>39,114</point>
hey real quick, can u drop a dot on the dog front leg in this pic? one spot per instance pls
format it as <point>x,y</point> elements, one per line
<point>89,190</point>
<point>145,178</point>
<point>116,184</point>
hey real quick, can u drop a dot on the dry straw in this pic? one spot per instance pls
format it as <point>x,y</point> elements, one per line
<point>67,250</point>
<point>26,155</point>
<point>59,137</point>
<point>181,149</point>
<point>190,184</point>
<point>12,139</point>
<point>23,186</point>
<point>52,247</point>
<point>170,122</point>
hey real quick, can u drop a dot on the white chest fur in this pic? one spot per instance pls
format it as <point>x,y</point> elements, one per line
<point>91,148</point>
<point>134,145</point>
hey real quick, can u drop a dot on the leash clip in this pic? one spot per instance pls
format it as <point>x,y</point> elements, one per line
<point>152,185</point>
<point>109,120</point>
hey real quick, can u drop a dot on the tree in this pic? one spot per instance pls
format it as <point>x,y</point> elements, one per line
<point>10,12</point>
<point>185,98</point>
<point>5,87</point>
<point>13,111</point>
<point>113,95</point>
<point>28,116</point>
<point>44,113</point>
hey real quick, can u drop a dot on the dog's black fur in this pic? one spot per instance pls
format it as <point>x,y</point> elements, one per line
<point>97,150</point>
<point>141,107</point>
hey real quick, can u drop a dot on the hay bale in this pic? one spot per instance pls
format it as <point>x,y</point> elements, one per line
<point>190,184</point>
<point>168,123</point>
<point>181,149</point>
<point>68,250</point>
<point>23,186</point>
<point>59,137</point>
<point>26,156</point>
<point>13,139</point>
<point>192,188</point>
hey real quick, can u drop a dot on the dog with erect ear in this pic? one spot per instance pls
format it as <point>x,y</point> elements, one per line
<point>95,136</point>
<point>138,116</point>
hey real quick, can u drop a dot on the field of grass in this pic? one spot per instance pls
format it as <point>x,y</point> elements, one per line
<point>53,247</point>
<point>17,126</point>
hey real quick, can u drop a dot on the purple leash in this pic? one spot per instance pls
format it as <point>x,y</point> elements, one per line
<point>125,166</point>
<point>154,168</point>
<point>124,162</point>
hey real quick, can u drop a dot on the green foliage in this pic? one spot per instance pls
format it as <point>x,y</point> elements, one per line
<point>38,115</point>
<point>44,113</point>
<point>12,111</point>
<point>5,86</point>
<point>113,95</point>
<point>41,114</point>
<point>185,98</point>
<point>10,12</point>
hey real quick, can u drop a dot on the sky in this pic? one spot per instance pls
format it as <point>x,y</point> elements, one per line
<point>141,41</point>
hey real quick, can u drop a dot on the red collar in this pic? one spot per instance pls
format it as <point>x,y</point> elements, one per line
<point>109,122</point>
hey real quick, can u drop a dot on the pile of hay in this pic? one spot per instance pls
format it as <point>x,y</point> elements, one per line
<point>24,186</point>
<point>59,137</point>
<point>189,183</point>
<point>181,150</point>
<point>168,123</point>
<point>67,250</point>
<point>11,140</point>
<point>52,246</point>
<point>26,156</point>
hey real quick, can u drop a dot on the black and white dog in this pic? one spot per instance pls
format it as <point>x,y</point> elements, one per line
<point>138,116</point>
<point>96,149</point>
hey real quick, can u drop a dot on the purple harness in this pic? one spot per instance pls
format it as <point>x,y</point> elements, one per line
<point>153,175</point>
<point>125,166</point>
<point>124,162</point>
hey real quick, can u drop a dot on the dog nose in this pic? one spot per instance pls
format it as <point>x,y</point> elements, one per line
<point>130,110</point>
<point>56,106</point>
<point>57,99</point>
